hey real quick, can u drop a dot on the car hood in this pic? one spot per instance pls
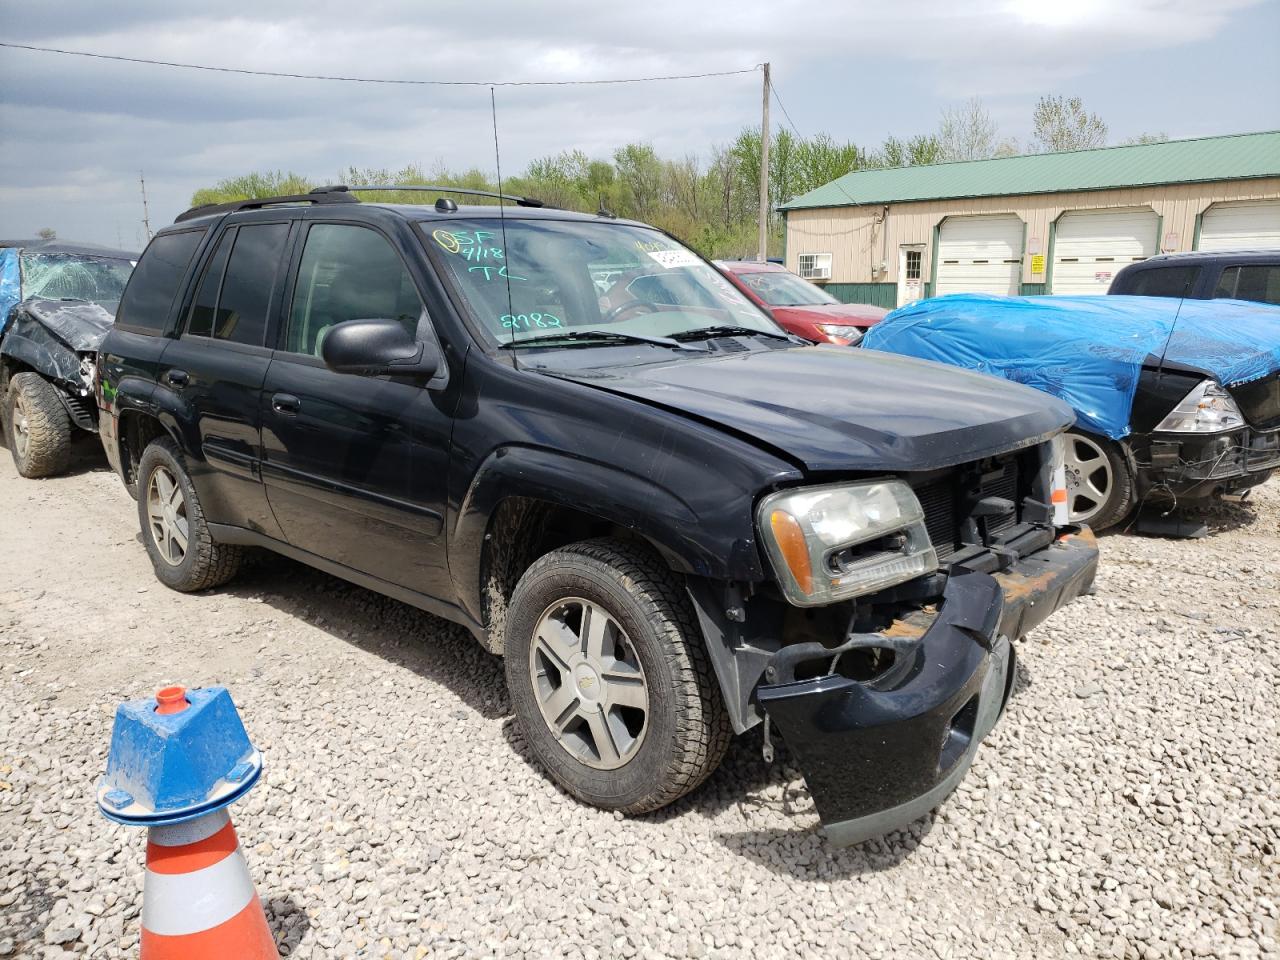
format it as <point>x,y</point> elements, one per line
<point>79,324</point>
<point>840,409</point>
<point>851,314</point>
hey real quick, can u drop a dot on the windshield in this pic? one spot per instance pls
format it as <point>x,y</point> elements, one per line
<point>567,276</point>
<point>60,276</point>
<point>780,289</point>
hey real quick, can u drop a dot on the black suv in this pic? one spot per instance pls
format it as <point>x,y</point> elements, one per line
<point>1205,275</point>
<point>673,520</point>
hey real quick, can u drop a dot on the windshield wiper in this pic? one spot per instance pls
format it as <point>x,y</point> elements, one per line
<point>616,336</point>
<point>727,330</point>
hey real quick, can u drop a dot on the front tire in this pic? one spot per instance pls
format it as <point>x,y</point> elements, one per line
<point>39,429</point>
<point>183,553</point>
<point>1100,484</point>
<point>609,679</point>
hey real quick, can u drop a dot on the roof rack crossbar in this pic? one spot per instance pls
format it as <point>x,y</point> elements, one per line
<point>334,194</point>
<point>466,191</point>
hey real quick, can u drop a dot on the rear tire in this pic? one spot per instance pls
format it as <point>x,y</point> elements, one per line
<point>1100,485</point>
<point>642,723</point>
<point>37,426</point>
<point>183,553</point>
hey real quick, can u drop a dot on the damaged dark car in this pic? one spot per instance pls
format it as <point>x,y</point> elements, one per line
<point>632,500</point>
<point>57,302</point>
<point>1175,401</point>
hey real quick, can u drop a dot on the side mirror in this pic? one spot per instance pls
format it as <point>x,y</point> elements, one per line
<point>374,348</point>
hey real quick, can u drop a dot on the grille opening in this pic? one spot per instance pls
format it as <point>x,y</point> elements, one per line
<point>948,500</point>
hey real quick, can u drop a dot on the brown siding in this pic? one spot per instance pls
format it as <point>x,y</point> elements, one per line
<point>858,242</point>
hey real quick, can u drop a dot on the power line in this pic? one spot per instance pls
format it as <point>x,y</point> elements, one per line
<point>782,107</point>
<point>416,83</point>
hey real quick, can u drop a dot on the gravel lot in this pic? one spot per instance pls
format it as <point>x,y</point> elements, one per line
<point>1127,805</point>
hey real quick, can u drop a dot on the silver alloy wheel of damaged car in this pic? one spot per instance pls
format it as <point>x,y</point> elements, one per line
<point>1090,478</point>
<point>167,512</point>
<point>589,684</point>
<point>1100,480</point>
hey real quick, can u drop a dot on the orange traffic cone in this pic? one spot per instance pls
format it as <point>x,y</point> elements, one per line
<point>177,761</point>
<point>199,902</point>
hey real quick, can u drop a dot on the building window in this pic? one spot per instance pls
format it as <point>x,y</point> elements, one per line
<point>815,266</point>
<point>914,259</point>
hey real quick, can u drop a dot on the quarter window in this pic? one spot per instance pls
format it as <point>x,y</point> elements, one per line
<point>348,273</point>
<point>149,296</point>
<point>1165,282</point>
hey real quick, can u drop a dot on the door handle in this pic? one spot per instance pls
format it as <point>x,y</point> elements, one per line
<point>178,378</point>
<point>285,403</point>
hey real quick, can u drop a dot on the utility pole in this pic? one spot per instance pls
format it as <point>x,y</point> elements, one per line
<point>146,216</point>
<point>763,254</point>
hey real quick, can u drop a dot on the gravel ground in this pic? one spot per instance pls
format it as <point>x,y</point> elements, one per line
<point>1126,806</point>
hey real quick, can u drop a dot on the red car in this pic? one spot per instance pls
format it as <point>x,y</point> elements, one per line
<point>798,305</point>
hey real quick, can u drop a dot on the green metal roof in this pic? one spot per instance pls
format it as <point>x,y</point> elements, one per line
<point>1176,161</point>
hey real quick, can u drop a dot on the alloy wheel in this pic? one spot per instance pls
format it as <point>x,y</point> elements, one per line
<point>1089,478</point>
<point>167,512</point>
<point>589,684</point>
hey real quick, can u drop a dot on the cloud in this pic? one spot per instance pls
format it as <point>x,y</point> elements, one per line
<point>78,131</point>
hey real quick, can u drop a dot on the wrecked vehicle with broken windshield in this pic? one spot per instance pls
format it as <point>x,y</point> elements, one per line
<point>570,434</point>
<point>57,301</point>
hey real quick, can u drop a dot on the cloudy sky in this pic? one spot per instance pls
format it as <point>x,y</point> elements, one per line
<point>76,132</point>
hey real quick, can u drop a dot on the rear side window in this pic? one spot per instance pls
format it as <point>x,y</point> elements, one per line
<point>1260,283</point>
<point>149,296</point>
<point>205,307</point>
<point>250,284</point>
<point>1164,282</point>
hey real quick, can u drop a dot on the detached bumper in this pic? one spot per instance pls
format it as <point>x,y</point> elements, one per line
<point>879,754</point>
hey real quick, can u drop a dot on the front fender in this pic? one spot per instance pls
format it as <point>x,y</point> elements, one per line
<point>690,543</point>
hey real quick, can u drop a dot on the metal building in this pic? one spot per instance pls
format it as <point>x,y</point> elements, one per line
<point>1042,223</point>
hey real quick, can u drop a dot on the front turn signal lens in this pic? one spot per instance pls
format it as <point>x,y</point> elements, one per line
<point>791,544</point>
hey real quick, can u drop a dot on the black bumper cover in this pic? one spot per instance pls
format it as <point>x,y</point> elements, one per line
<point>879,754</point>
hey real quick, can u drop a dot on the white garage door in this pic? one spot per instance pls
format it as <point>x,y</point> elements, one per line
<point>980,255</point>
<point>1250,225</point>
<point>1092,246</point>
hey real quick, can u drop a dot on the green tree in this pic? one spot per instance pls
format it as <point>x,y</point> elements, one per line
<point>1145,138</point>
<point>252,186</point>
<point>912,152</point>
<point>1063,123</point>
<point>967,132</point>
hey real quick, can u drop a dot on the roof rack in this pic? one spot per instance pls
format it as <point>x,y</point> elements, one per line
<point>335,194</point>
<point>339,193</point>
<point>518,201</point>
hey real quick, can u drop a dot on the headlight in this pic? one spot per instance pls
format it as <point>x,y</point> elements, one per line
<point>844,540</point>
<point>840,332</point>
<point>1206,409</point>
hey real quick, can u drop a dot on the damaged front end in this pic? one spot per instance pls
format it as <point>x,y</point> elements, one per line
<point>882,752</point>
<point>883,697</point>
<point>59,340</point>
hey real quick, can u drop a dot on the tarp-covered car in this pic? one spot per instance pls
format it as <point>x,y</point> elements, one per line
<point>57,302</point>
<point>1174,401</point>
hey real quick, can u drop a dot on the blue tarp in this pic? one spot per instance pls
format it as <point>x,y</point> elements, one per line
<point>1087,351</point>
<point>10,284</point>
